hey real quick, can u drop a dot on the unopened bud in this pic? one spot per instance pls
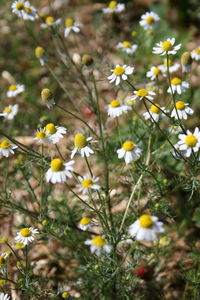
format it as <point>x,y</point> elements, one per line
<point>186,61</point>
<point>39,52</point>
<point>46,95</point>
<point>87,60</point>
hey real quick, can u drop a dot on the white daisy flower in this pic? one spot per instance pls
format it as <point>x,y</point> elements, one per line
<point>178,86</point>
<point>87,183</point>
<point>42,136</point>
<point>29,12</point>
<point>10,111</point>
<point>146,228</point>
<point>98,245</point>
<point>47,97</point>
<point>6,148</point>
<point>195,54</point>
<point>151,86</point>
<point>129,151</point>
<point>85,223</point>
<point>71,25</point>
<point>59,171</point>
<point>154,72</point>
<point>55,132</point>
<point>166,47</point>
<point>174,129</point>
<point>182,109</point>
<point>114,7</point>
<point>140,94</point>
<point>115,109</point>
<point>40,54</point>
<point>15,90</point>
<point>155,113</point>
<point>173,67</point>
<point>149,20</point>
<point>120,73</point>
<point>81,146</point>
<point>189,142</point>
<point>127,47</point>
<point>50,21</point>
<point>26,235</point>
<point>18,7</point>
<point>4,296</point>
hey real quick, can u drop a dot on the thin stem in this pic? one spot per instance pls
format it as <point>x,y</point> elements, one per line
<point>59,152</point>
<point>106,168</point>
<point>88,165</point>
<point>130,199</point>
<point>75,116</point>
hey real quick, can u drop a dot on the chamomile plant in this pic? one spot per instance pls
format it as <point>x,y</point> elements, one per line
<point>99,151</point>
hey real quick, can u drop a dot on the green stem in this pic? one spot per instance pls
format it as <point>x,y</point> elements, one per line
<point>106,168</point>
<point>76,117</point>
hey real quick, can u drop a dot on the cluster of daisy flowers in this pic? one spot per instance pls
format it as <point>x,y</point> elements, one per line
<point>10,111</point>
<point>146,227</point>
<point>24,237</point>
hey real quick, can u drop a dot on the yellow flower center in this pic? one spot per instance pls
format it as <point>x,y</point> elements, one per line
<point>51,128</point>
<point>2,261</point>
<point>167,46</point>
<point>28,10</point>
<point>115,103</point>
<point>69,22</point>
<point>46,95</point>
<point>19,6</point>
<point>134,33</point>
<point>39,52</point>
<point>57,165</point>
<point>112,4</point>
<point>86,183</point>
<point>164,240</point>
<point>119,71</point>
<point>128,146</point>
<point>12,87</point>
<point>41,135</point>
<point>190,140</point>
<point>155,109</point>
<point>2,282</point>
<point>142,93</point>
<point>150,20</point>
<point>19,245</point>
<point>146,221</point>
<point>156,71</point>
<point>8,110</point>
<point>180,105</point>
<point>65,295</point>
<point>50,20</point>
<point>170,62</point>
<point>25,232</point>
<point>5,144</point>
<point>126,44</point>
<point>176,81</point>
<point>197,51</point>
<point>80,141</point>
<point>150,88</point>
<point>85,221</point>
<point>98,241</point>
